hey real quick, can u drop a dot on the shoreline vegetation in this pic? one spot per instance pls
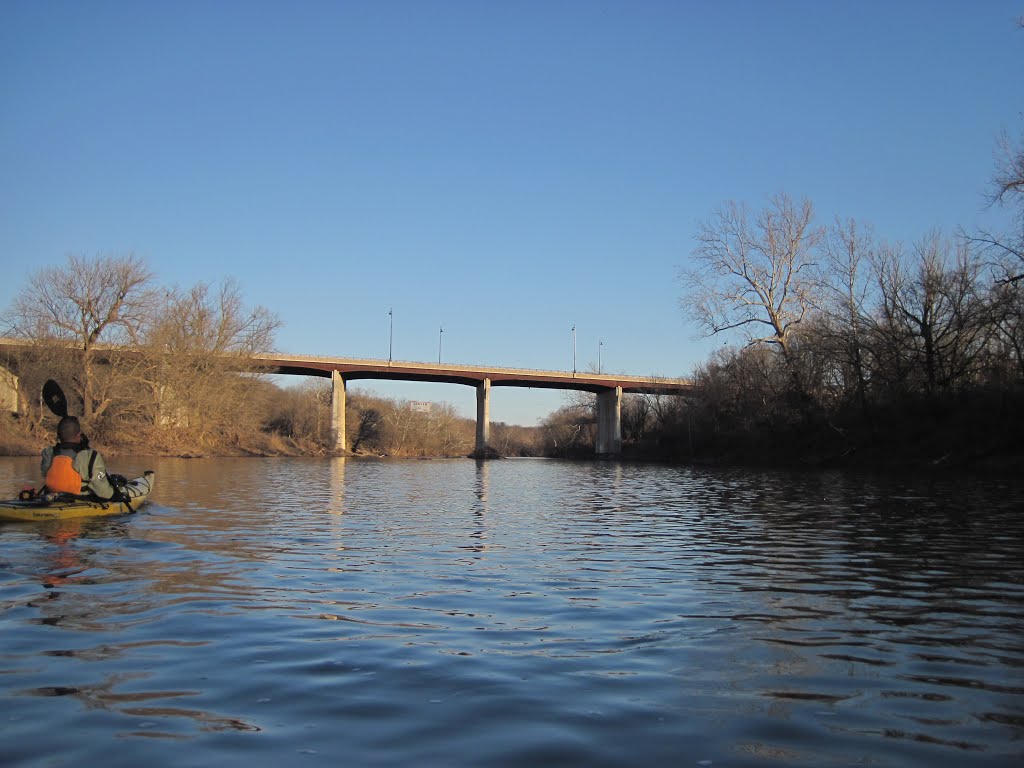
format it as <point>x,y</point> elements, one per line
<point>924,370</point>
<point>844,349</point>
<point>974,434</point>
<point>924,375</point>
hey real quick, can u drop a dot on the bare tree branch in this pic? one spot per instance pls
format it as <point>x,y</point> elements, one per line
<point>754,272</point>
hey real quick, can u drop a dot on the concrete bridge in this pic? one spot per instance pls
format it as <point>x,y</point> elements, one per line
<point>609,388</point>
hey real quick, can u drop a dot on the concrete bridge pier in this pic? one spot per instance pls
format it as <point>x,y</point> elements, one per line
<point>8,391</point>
<point>338,412</point>
<point>609,422</point>
<point>483,417</point>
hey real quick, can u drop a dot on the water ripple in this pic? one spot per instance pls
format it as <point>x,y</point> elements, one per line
<point>518,612</point>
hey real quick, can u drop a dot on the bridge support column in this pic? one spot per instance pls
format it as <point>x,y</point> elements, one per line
<point>338,412</point>
<point>483,417</point>
<point>8,391</point>
<point>609,422</point>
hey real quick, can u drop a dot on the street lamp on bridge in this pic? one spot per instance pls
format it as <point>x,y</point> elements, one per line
<point>391,331</point>
<point>439,332</point>
<point>574,349</point>
<point>599,345</point>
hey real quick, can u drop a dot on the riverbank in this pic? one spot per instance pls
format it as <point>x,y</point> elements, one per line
<point>933,450</point>
<point>20,439</point>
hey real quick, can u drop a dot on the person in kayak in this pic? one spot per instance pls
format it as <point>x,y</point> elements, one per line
<point>71,466</point>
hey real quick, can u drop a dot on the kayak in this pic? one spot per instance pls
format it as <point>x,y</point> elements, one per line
<point>64,506</point>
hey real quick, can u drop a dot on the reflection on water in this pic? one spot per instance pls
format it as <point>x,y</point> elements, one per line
<point>518,612</point>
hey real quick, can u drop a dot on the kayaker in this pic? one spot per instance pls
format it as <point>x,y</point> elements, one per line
<point>71,466</point>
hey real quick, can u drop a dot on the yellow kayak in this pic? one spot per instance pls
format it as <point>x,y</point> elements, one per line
<point>64,507</point>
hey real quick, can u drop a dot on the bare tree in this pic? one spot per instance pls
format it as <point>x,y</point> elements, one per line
<point>742,388</point>
<point>567,432</point>
<point>85,303</point>
<point>637,418</point>
<point>934,318</point>
<point>202,321</point>
<point>1008,319</point>
<point>367,429</point>
<point>1007,190</point>
<point>754,274</point>
<point>845,278</point>
<point>301,412</point>
<point>1009,178</point>
<point>449,434</point>
<point>200,349</point>
<point>1005,250</point>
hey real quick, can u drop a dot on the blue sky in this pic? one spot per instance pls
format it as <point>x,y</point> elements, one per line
<point>505,170</point>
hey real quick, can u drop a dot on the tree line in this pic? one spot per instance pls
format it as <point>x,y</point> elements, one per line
<point>849,342</point>
<point>139,361</point>
<point>170,371</point>
<point>853,346</point>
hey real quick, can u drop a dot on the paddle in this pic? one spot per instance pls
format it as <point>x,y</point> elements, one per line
<point>54,398</point>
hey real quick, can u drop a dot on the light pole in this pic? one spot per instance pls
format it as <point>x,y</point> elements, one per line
<point>599,345</point>
<point>391,332</point>
<point>574,349</point>
<point>439,332</point>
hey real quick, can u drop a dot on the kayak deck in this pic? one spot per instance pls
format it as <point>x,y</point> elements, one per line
<point>67,507</point>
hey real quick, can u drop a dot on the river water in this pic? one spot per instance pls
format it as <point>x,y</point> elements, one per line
<point>516,613</point>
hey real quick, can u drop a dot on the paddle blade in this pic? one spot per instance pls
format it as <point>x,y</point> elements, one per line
<point>54,398</point>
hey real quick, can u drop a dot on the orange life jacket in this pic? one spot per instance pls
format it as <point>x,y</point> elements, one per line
<point>62,477</point>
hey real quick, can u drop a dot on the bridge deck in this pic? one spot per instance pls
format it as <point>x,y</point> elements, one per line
<point>471,375</point>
